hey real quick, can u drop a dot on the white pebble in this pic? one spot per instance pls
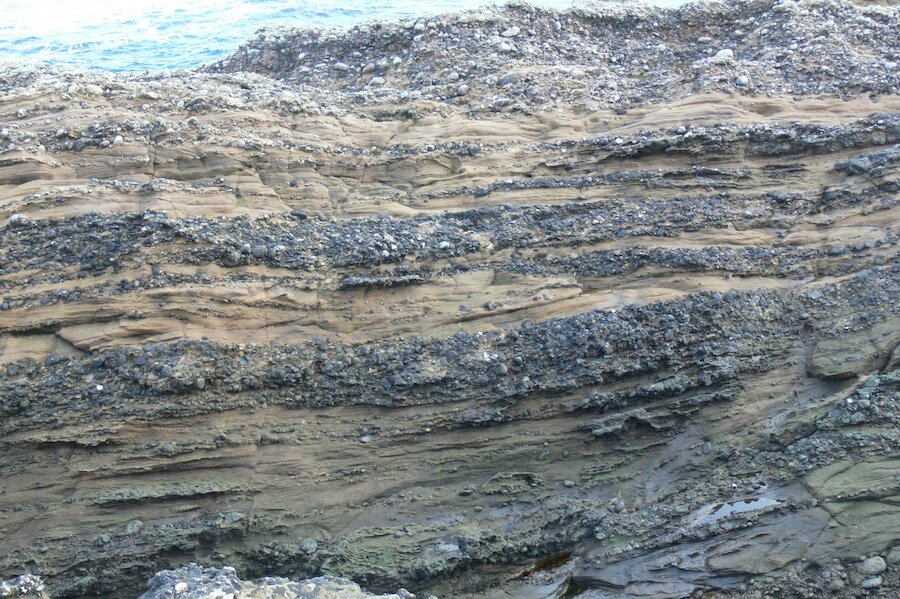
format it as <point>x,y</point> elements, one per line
<point>726,55</point>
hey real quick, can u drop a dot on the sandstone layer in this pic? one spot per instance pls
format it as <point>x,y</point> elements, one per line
<point>618,319</point>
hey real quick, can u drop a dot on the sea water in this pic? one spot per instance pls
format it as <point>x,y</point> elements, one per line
<point>133,35</point>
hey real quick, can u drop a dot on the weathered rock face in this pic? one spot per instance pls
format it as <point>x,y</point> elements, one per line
<point>605,56</point>
<point>300,328</point>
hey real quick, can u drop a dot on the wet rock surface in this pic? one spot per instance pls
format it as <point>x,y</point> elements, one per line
<point>285,322</point>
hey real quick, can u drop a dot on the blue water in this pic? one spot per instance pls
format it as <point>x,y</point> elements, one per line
<point>133,35</point>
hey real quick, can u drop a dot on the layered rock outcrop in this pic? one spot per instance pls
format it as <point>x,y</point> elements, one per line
<point>527,339</point>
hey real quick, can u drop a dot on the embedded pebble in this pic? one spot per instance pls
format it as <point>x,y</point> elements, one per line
<point>871,566</point>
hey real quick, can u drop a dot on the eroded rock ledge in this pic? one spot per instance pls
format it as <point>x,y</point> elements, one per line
<point>528,339</point>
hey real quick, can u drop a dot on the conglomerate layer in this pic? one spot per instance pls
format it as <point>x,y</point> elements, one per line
<point>517,303</point>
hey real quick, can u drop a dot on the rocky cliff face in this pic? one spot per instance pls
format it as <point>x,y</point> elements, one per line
<point>600,303</point>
